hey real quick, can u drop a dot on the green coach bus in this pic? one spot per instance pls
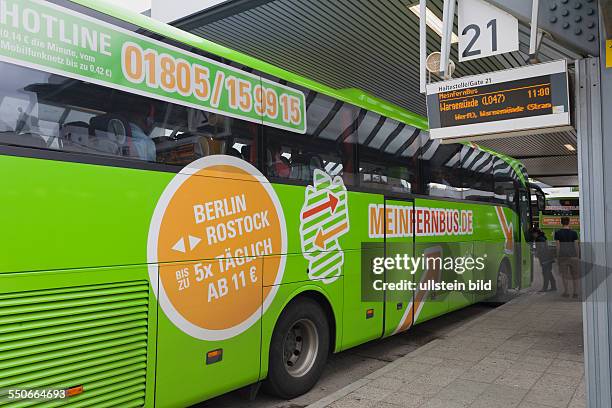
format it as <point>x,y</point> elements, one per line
<point>181,220</point>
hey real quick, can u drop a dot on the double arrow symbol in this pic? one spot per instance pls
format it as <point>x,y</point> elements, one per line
<point>180,244</point>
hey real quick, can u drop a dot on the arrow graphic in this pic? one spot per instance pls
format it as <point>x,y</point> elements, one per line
<point>179,246</point>
<point>331,203</point>
<point>323,237</point>
<point>193,241</point>
<point>507,229</point>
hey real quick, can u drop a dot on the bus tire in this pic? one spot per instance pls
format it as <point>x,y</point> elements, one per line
<point>504,283</point>
<point>298,349</point>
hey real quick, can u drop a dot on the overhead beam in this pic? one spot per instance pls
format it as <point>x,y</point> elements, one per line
<point>581,36</point>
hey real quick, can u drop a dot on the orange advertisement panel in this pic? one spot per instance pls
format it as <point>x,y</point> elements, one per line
<point>206,243</point>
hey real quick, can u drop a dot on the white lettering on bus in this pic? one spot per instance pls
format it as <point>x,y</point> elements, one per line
<point>212,210</point>
<point>237,227</point>
<point>73,34</point>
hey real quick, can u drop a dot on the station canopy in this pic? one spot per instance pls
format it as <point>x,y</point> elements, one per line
<point>374,46</point>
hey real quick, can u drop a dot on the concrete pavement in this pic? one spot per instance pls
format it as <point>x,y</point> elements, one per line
<point>526,354</point>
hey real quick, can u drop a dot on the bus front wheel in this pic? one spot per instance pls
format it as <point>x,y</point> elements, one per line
<point>298,349</point>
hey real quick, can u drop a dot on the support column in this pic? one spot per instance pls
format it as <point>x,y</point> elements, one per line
<point>594,126</point>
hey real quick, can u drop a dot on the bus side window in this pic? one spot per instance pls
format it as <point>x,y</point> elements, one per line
<point>504,186</point>
<point>186,134</point>
<point>47,111</point>
<point>477,174</point>
<point>327,145</point>
<point>440,167</point>
<point>387,154</point>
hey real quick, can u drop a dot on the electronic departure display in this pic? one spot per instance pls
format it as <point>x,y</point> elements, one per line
<point>532,98</point>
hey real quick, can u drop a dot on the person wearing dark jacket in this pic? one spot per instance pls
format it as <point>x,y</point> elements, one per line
<point>546,258</point>
<point>568,253</point>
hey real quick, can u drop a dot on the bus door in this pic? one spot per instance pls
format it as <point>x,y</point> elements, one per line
<point>399,245</point>
<point>524,248</point>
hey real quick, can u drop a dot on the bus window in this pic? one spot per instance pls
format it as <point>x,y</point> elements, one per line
<point>440,164</point>
<point>504,184</point>
<point>48,111</point>
<point>186,134</point>
<point>297,158</point>
<point>327,145</point>
<point>387,154</point>
<point>477,175</point>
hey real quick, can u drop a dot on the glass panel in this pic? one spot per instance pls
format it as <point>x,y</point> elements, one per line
<point>387,154</point>
<point>440,164</point>
<point>504,184</point>
<point>327,145</point>
<point>477,176</point>
<point>48,111</point>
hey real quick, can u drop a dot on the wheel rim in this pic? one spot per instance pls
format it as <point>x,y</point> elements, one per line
<point>300,347</point>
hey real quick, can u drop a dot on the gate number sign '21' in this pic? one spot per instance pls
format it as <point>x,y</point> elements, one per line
<point>485,30</point>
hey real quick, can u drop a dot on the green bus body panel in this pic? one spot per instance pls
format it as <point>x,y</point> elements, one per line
<point>487,238</point>
<point>89,225</point>
<point>75,215</point>
<point>394,313</point>
<point>94,327</point>
<point>184,378</point>
<point>358,326</point>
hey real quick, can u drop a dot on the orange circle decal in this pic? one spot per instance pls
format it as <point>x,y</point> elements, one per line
<point>211,228</point>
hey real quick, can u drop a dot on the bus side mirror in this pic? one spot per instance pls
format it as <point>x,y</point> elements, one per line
<point>540,197</point>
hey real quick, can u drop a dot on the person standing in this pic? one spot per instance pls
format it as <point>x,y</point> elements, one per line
<point>546,258</point>
<point>567,256</point>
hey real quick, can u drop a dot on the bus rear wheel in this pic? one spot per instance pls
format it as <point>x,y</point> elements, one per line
<point>504,284</point>
<point>298,350</point>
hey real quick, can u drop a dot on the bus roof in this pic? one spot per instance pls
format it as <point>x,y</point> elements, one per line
<point>353,96</point>
<point>517,165</point>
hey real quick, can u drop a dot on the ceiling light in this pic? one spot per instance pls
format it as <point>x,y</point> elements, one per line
<point>570,147</point>
<point>432,21</point>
